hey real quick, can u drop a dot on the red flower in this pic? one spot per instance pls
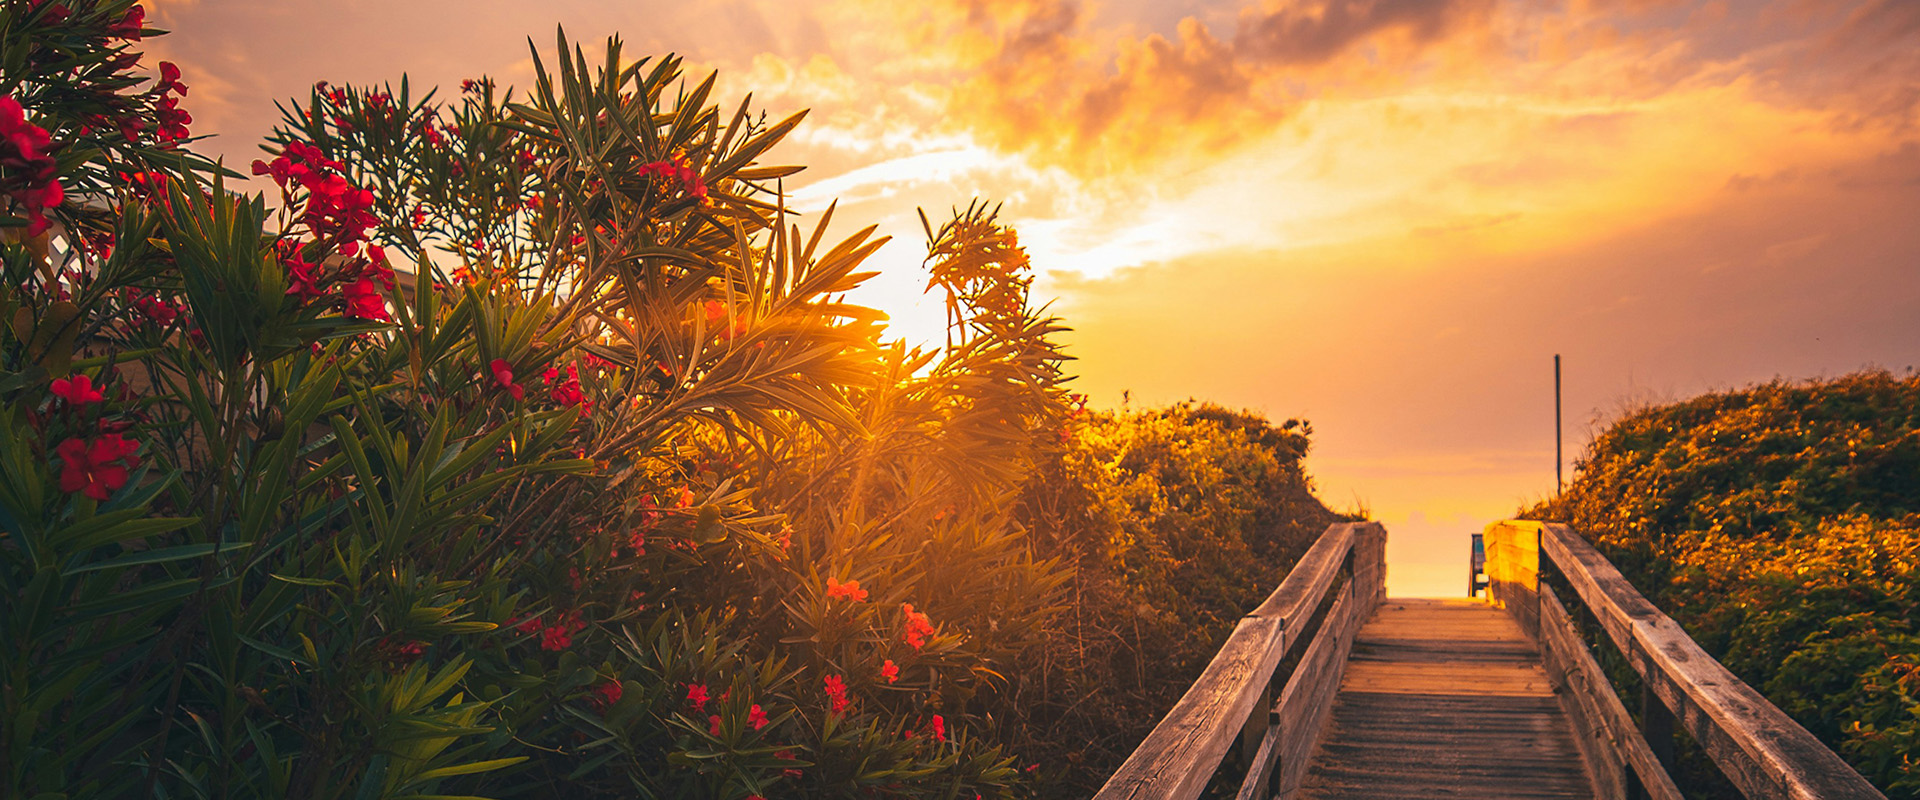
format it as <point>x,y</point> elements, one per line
<point>889,671</point>
<point>503,375</point>
<point>129,26</point>
<point>170,80</point>
<point>33,179</point>
<point>837,693</point>
<point>77,391</point>
<point>939,728</point>
<point>697,696</point>
<point>606,694</point>
<point>556,638</point>
<point>756,717</point>
<point>919,626</point>
<point>396,654</point>
<point>717,314</point>
<point>568,392</point>
<point>364,301</point>
<point>850,590</point>
<point>713,724</point>
<point>98,468</point>
<point>157,311</point>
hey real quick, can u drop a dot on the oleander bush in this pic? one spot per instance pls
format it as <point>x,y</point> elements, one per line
<point>524,444</point>
<point>1780,525</point>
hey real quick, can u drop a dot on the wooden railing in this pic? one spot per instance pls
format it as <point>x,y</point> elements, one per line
<point>1762,751</point>
<point>1234,699</point>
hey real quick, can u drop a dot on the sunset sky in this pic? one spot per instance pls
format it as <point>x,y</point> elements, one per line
<point>1383,216</point>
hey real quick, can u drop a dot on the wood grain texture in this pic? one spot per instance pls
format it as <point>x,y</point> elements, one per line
<point>1607,736</point>
<point>1445,698</point>
<point>1181,753</point>
<point>1513,571</point>
<point>1302,710</point>
<point>1759,748</point>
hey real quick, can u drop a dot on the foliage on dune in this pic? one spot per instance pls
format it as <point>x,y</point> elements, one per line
<point>1780,525</point>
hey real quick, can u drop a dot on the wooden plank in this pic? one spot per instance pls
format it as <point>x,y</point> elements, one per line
<point>1611,742</point>
<point>1316,675</point>
<point>1280,760</point>
<point>1308,697</point>
<point>1423,714</point>
<point>1759,748</point>
<point>1513,571</point>
<point>1183,751</point>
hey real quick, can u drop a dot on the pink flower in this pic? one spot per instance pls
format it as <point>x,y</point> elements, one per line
<point>77,391</point>
<point>938,726</point>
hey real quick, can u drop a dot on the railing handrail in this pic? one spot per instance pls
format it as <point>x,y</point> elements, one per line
<point>1756,745</point>
<point>1182,753</point>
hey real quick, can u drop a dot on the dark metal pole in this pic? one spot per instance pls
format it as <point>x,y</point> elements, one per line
<point>1560,483</point>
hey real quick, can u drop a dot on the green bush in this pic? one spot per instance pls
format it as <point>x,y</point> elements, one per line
<point>1780,525</point>
<point>527,446</point>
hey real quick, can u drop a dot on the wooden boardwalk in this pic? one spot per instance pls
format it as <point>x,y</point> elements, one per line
<point>1446,698</point>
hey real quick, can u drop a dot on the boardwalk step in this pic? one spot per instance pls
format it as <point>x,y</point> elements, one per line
<point>1445,698</point>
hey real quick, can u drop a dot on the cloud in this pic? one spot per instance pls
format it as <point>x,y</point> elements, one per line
<point>1311,33</point>
<point>1048,83</point>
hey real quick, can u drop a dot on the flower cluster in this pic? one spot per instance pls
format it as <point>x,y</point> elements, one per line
<point>397,653</point>
<point>97,468</point>
<point>675,169</point>
<point>890,671</point>
<point>337,213</point>
<point>568,392</point>
<point>172,119</point>
<point>918,626</point>
<point>339,218</point>
<point>836,688</point>
<point>849,591</point>
<point>697,697</point>
<point>28,173</point>
<point>559,635</point>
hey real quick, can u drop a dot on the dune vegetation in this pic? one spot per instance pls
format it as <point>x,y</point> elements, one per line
<point>1780,525</point>
<point>524,444</point>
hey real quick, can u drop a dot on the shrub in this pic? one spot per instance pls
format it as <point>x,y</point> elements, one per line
<point>1779,525</point>
<point>527,445</point>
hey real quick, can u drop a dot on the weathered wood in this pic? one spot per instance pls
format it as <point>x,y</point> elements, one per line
<point>1183,751</point>
<point>1759,748</point>
<point>1607,736</point>
<point>1304,703</point>
<point>1513,572</point>
<point>1445,698</point>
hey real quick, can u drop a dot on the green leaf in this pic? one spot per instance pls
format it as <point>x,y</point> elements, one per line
<point>162,555</point>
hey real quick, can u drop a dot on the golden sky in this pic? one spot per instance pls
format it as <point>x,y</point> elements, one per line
<point>1384,216</point>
